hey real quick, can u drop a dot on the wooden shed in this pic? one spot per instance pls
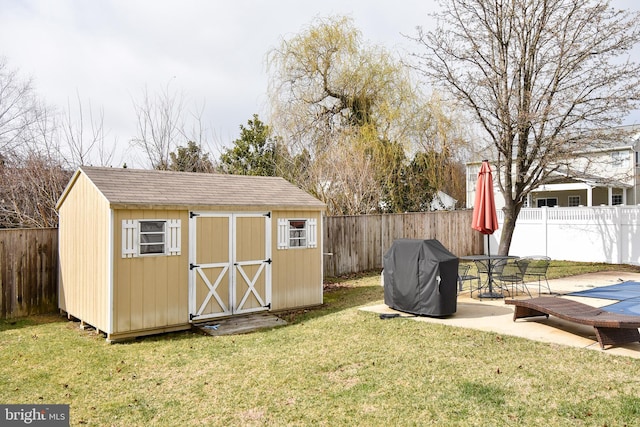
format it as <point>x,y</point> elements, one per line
<point>144,251</point>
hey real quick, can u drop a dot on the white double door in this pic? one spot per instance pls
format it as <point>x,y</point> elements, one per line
<point>229,264</point>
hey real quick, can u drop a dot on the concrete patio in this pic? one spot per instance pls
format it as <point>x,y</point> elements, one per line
<point>496,316</point>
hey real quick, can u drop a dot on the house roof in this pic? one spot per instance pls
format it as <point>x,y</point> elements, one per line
<point>149,188</point>
<point>564,176</point>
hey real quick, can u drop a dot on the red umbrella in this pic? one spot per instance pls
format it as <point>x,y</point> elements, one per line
<point>485,219</point>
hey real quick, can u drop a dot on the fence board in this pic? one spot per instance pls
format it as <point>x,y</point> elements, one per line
<point>358,243</point>
<point>28,271</point>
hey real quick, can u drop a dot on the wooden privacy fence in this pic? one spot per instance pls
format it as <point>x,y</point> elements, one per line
<point>28,271</point>
<point>358,243</point>
<point>29,257</point>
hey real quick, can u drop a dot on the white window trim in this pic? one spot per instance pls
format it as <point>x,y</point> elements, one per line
<point>131,238</point>
<point>311,230</point>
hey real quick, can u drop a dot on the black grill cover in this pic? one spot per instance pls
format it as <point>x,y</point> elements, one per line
<point>420,277</point>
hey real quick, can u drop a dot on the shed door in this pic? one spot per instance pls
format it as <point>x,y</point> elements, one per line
<point>230,264</point>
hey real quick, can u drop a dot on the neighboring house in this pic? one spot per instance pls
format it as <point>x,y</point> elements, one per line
<point>611,178</point>
<point>443,202</point>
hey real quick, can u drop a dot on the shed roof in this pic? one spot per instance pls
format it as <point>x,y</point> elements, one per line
<point>142,188</point>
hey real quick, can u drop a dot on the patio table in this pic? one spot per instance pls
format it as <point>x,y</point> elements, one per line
<point>490,261</point>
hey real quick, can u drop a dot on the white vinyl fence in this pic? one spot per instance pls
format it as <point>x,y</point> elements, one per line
<point>589,234</point>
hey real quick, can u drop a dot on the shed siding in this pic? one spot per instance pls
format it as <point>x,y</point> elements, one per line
<point>297,273</point>
<point>150,292</point>
<point>84,255</point>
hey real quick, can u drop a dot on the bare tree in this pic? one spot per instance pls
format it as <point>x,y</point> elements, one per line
<point>540,77</point>
<point>160,125</point>
<point>18,108</point>
<point>84,137</point>
<point>31,187</point>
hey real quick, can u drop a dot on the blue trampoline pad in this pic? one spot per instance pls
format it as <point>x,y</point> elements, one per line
<point>619,291</point>
<point>629,306</point>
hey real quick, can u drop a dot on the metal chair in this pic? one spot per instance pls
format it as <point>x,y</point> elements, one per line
<point>463,275</point>
<point>511,272</point>
<point>482,268</point>
<point>537,266</point>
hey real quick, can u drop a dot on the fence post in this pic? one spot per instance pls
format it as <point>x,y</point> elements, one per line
<point>545,227</point>
<point>618,222</point>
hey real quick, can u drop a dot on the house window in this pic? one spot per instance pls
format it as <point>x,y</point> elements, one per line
<point>573,201</point>
<point>150,237</point>
<point>616,199</point>
<point>550,201</point>
<point>297,233</point>
<point>620,159</point>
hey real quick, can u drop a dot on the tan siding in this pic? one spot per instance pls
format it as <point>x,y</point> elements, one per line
<point>296,273</point>
<point>84,254</point>
<point>151,291</point>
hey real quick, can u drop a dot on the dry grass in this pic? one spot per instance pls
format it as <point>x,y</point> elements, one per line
<point>335,365</point>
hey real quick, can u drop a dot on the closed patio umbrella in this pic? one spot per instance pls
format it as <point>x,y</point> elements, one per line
<point>485,218</point>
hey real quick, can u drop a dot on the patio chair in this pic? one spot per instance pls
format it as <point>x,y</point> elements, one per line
<point>482,269</point>
<point>511,272</point>
<point>537,266</point>
<point>463,276</point>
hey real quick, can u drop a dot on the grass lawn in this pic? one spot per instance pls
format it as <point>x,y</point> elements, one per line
<point>332,366</point>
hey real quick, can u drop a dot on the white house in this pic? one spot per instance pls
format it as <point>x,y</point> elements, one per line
<point>442,201</point>
<point>610,176</point>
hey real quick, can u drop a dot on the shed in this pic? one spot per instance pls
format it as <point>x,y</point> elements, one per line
<point>143,251</point>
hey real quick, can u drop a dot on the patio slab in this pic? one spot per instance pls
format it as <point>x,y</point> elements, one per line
<point>496,316</point>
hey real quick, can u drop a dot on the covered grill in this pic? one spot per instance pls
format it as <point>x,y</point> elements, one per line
<point>420,277</point>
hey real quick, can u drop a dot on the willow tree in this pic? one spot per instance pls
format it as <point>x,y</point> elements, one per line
<point>540,78</point>
<point>348,106</point>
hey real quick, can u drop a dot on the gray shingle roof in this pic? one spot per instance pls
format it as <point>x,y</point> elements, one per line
<point>138,187</point>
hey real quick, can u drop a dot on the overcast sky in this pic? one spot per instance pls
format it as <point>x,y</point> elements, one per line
<point>213,51</point>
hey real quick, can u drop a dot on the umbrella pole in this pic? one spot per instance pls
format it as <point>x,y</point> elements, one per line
<point>491,294</point>
<point>490,276</point>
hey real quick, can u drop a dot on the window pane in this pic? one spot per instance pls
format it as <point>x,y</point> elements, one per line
<point>152,249</point>
<point>298,224</point>
<point>152,226</point>
<point>152,238</point>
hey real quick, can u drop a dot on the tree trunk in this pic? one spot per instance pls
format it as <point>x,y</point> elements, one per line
<point>508,228</point>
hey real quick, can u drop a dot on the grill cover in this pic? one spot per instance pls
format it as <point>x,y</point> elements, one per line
<point>420,277</point>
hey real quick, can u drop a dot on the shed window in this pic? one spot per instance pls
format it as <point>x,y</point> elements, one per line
<point>150,237</point>
<point>297,233</point>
